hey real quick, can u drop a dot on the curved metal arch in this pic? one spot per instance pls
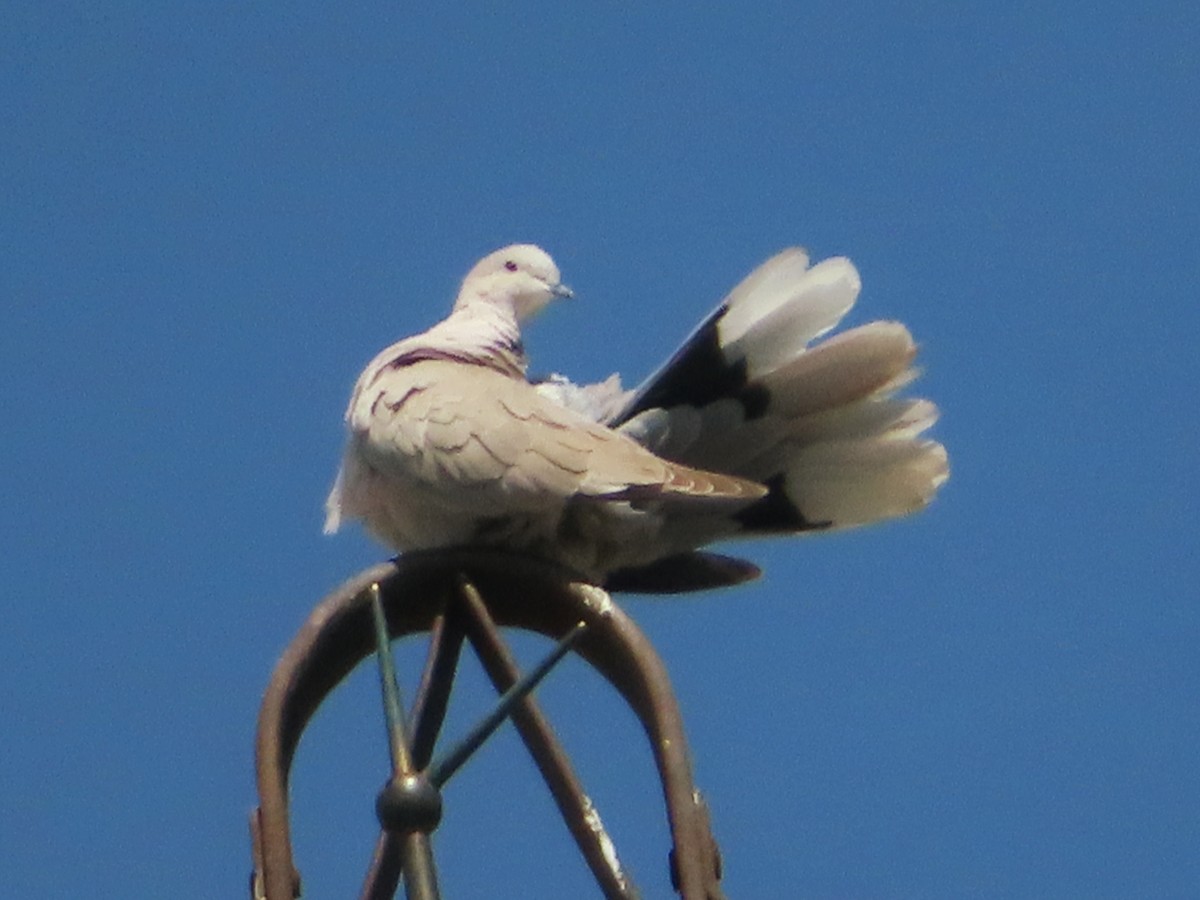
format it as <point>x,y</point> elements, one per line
<point>490,588</point>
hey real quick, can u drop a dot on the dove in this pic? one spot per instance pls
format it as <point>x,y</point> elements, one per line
<point>749,429</point>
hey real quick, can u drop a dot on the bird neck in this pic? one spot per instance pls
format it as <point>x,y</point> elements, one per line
<point>484,334</point>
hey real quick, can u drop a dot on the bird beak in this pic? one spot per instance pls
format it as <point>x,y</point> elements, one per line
<point>562,291</point>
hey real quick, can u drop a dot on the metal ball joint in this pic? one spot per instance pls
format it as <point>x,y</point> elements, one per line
<point>409,803</point>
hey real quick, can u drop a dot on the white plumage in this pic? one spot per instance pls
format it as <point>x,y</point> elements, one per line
<point>748,429</point>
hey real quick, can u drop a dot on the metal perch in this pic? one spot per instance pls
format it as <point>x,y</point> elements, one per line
<point>469,595</point>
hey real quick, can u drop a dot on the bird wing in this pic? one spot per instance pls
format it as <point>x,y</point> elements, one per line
<point>465,427</point>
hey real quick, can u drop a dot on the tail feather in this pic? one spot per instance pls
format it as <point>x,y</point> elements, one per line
<point>728,441</point>
<point>763,291</point>
<point>843,369</point>
<point>856,482</point>
<point>820,426</point>
<point>779,326</point>
<point>897,417</point>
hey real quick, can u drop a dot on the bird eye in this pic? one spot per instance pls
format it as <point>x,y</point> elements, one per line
<point>510,265</point>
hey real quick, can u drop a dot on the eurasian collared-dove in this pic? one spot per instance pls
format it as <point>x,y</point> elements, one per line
<point>746,430</point>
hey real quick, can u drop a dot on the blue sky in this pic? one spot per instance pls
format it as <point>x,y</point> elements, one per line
<point>213,214</point>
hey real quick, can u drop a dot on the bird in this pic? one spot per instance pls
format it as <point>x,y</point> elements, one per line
<point>753,427</point>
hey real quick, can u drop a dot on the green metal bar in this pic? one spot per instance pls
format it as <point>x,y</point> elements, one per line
<point>420,874</point>
<point>393,708</point>
<point>443,769</point>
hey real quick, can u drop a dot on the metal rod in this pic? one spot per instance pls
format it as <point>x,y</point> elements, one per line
<point>420,876</point>
<point>443,769</point>
<point>386,869</point>
<point>416,854</point>
<point>437,680</point>
<point>393,708</point>
<point>547,752</point>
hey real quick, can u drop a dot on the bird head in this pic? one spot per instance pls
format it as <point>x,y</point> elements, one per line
<point>521,275</point>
